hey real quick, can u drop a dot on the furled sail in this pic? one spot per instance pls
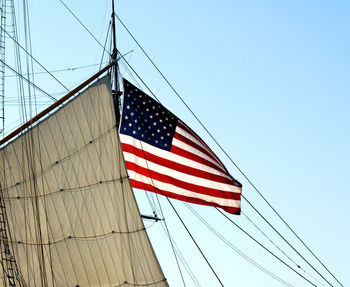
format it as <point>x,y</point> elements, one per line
<point>70,215</point>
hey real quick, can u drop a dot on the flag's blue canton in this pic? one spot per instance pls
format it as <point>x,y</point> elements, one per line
<point>145,119</point>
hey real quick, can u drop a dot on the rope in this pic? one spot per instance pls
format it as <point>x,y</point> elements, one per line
<point>162,214</point>
<point>28,81</point>
<point>82,24</point>
<point>246,257</point>
<point>222,149</point>
<point>285,240</point>
<point>36,61</point>
<point>229,219</point>
<point>194,241</point>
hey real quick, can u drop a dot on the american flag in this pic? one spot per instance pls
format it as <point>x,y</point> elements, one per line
<point>163,155</point>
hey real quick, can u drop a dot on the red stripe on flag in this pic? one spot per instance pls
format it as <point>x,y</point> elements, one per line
<point>192,133</point>
<point>183,126</point>
<point>174,165</point>
<point>182,184</point>
<point>144,186</point>
<point>191,156</point>
<point>194,146</point>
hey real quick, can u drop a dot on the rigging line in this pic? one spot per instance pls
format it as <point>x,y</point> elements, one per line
<point>62,70</point>
<point>55,208</point>
<point>162,214</point>
<point>54,105</point>
<point>82,24</point>
<point>80,238</point>
<point>274,255</point>
<point>172,243</point>
<point>135,220</point>
<point>97,115</point>
<point>156,99</point>
<point>71,155</point>
<point>219,146</point>
<point>30,73</point>
<point>120,158</point>
<point>169,236</point>
<point>223,150</point>
<point>68,129</point>
<point>64,190</point>
<point>272,242</point>
<point>103,52</point>
<point>194,241</point>
<point>88,116</point>
<point>29,61</point>
<point>182,259</point>
<point>212,229</point>
<point>22,113</point>
<point>265,235</point>
<point>137,75</point>
<point>130,74</point>
<point>36,61</point>
<point>285,240</point>
<point>154,283</point>
<point>28,81</point>
<point>20,86</point>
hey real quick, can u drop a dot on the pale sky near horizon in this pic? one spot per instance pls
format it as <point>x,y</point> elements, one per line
<point>270,80</point>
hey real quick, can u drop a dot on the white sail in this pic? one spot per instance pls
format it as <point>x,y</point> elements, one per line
<point>72,219</point>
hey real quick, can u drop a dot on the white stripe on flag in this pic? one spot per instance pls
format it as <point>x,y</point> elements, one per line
<point>193,150</point>
<point>189,136</point>
<point>177,190</point>
<point>170,156</point>
<point>180,175</point>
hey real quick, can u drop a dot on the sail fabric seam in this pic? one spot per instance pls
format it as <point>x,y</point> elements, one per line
<point>56,147</point>
<point>15,223</point>
<point>91,162</point>
<point>115,136</point>
<point>87,238</point>
<point>140,284</point>
<point>78,188</point>
<point>69,156</point>
<point>113,129</point>
<point>72,109</point>
<point>89,157</point>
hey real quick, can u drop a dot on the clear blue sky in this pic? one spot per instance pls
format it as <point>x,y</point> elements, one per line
<point>270,80</point>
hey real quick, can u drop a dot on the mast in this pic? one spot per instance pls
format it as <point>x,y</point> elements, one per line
<point>115,87</point>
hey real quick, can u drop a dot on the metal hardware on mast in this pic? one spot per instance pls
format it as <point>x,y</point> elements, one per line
<point>115,89</point>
